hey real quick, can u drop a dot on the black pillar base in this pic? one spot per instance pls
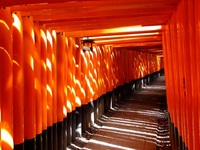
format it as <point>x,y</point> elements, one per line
<point>39,143</point>
<point>138,84</point>
<point>55,136</point>
<point>60,135</point>
<point>95,110</point>
<point>30,144</point>
<point>79,122</point>
<point>65,133</point>
<point>101,103</point>
<point>90,115</point>
<point>44,140</point>
<point>19,146</point>
<point>118,95</point>
<point>107,101</point>
<point>114,98</point>
<point>129,89</point>
<point>162,73</point>
<point>148,79</point>
<point>73,126</point>
<point>175,139</point>
<point>50,137</point>
<point>69,128</point>
<point>84,118</point>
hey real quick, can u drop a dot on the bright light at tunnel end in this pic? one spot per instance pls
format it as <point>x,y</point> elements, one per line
<point>133,29</point>
<point>127,29</point>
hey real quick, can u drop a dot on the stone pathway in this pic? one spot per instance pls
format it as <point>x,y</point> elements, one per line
<point>140,123</point>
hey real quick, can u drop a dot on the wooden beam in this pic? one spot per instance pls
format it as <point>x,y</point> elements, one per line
<point>85,11</point>
<point>140,46</point>
<point>98,14</point>
<point>129,20</point>
<point>6,3</point>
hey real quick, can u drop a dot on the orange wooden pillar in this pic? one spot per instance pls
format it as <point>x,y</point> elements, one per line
<point>77,55</point>
<point>92,77</point>
<point>176,79</point>
<point>18,82</point>
<point>80,93</point>
<point>76,73</point>
<point>37,86</point>
<point>70,70</point>
<point>66,104</point>
<point>49,89</point>
<point>93,62</point>
<point>29,93</point>
<point>54,90</point>
<point>169,86</point>
<point>193,67</point>
<point>168,74</point>
<point>84,69</point>
<point>6,79</point>
<point>105,67</point>
<point>90,88</point>
<point>188,84</point>
<point>179,58</point>
<point>100,72</point>
<point>43,86</point>
<point>67,98</point>
<point>197,19</point>
<point>95,75</point>
<point>94,115</point>
<point>60,86</point>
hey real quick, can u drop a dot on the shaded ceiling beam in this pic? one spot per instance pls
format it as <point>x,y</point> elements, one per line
<point>5,3</point>
<point>147,45</point>
<point>96,14</point>
<point>138,9</point>
<point>106,20</point>
<point>91,33</point>
<point>139,46</point>
<point>94,26</point>
<point>139,50</point>
<point>136,41</point>
<point>97,30</point>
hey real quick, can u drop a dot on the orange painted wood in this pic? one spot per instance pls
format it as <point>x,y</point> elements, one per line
<point>60,75</point>
<point>37,78</point>
<point>95,74</point>
<point>197,18</point>
<point>80,93</point>
<point>194,61</point>
<point>6,78</point>
<point>168,68</point>
<point>67,90</point>
<point>93,4</point>
<point>54,76</point>
<point>43,76</point>
<point>29,93</point>
<point>88,78</point>
<point>18,80</point>
<point>179,56</point>
<point>70,72</point>
<point>49,78</point>
<point>182,48</point>
<point>167,74</point>
<point>186,57</point>
<point>83,74</point>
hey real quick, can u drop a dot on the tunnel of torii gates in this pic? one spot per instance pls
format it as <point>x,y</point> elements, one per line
<point>46,76</point>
